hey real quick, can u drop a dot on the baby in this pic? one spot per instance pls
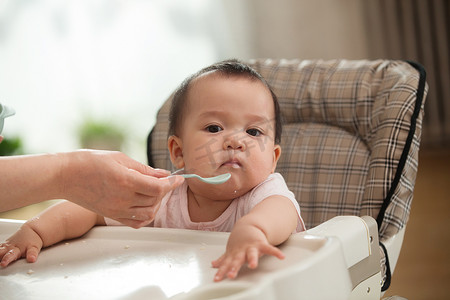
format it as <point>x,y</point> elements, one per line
<point>223,119</point>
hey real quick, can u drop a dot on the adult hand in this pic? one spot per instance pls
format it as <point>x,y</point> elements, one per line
<point>114,185</point>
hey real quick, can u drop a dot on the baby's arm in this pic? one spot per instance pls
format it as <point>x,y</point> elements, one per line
<point>269,223</point>
<point>61,221</point>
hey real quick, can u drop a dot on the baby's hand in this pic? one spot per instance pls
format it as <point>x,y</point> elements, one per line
<point>242,249</point>
<point>24,243</point>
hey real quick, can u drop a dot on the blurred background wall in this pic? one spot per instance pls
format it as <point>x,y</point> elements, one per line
<point>357,29</point>
<point>75,67</point>
<point>67,63</point>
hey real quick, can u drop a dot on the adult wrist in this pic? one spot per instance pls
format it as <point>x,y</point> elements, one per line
<point>65,163</point>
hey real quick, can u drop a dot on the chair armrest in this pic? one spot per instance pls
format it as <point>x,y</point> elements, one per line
<point>354,234</point>
<point>359,241</point>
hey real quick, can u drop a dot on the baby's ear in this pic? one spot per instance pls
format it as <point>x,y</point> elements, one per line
<point>175,146</point>
<point>276,156</point>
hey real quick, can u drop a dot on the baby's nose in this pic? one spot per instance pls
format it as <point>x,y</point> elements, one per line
<point>234,142</point>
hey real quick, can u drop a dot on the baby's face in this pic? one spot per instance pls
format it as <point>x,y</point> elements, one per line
<point>228,127</point>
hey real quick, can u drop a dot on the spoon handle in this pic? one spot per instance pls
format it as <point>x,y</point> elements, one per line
<point>212,180</point>
<point>180,172</point>
<point>190,176</point>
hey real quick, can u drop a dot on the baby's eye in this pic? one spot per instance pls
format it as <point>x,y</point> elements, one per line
<point>254,132</point>
<point>213,128</point>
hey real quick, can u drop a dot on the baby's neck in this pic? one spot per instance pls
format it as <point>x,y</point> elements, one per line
<point>202,209</point>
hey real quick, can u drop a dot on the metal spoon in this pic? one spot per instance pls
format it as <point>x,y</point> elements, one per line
<point>212,180</point>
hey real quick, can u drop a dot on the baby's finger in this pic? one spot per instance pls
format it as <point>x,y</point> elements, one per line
<point>10,256</point>
<point>216,263</point>
<point>220,273</point>
<point>225,267</point>
<point>252,258</point>
<point>273,251</point>
<point>233,271</point>
<point>32,253</point>
<point>3,249</point>
<point>235,265</point>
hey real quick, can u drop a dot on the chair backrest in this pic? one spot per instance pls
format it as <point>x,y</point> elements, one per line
<point>350,140</point>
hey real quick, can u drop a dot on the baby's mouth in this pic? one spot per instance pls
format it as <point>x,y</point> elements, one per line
<point>233,163</point>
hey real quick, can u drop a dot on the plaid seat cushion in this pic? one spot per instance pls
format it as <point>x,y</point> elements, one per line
<point>326,167</point>
<point>373,101</point>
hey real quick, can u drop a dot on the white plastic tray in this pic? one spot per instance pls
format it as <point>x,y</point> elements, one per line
<point>152,263</point>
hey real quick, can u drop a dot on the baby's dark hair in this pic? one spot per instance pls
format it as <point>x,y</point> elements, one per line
<point>227,68</point>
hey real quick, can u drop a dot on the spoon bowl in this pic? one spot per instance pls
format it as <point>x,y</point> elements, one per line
<point>219,179</point>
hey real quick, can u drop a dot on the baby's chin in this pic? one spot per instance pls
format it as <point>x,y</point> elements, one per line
<point>225,191</point>
<point>234,187</point>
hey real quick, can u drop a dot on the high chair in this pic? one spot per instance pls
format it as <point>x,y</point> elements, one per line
<point>349,148</point>
<point>349,153</point>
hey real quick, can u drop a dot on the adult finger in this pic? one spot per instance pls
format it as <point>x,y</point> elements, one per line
<point>152,186</point>
<point>155,172</point>
<point>134,223</point>
<point>134,216</point>
<point>141,168</point>
<point>140,201</point>
<point>144,213</point>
